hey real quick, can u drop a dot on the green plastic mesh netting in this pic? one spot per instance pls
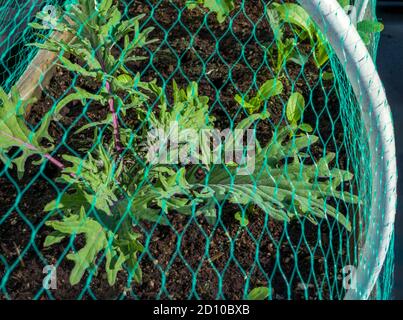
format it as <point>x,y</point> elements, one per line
<point>206,149</point>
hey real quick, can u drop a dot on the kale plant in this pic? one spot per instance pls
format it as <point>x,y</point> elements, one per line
<point>98,28</point>
<point>105,199</point>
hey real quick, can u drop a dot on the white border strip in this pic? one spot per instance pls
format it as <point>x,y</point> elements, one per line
<point>368,88</point>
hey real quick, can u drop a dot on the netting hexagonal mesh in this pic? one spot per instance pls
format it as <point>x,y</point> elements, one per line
<point>180,150</point>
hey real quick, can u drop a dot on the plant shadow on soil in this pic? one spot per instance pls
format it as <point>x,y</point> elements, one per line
<point>190,258</point>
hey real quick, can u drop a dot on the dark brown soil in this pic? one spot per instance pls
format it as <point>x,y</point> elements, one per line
<point>189,258</point>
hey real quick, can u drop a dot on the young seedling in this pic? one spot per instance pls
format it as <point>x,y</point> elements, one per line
<point>280,15</point>
<point>285,48</point>
<point>294,111</point>
<point>269,89</point>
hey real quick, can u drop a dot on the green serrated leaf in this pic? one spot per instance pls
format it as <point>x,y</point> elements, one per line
<point>95,241</point>
<point>74,67</point>
<point>80,95</point>
<point>14,131</point>
<point>114,263</point>
<point>92,183</point>
<point>97,26</point>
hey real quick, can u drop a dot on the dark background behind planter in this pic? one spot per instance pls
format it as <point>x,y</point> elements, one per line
<point>390,66</point>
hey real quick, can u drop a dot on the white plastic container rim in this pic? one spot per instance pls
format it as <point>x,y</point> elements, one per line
<point>376,115</point>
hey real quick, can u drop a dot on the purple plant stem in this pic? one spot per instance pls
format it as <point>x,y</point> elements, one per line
<point>31,147</point>
<point>115,121</point>
<point>54,161</point>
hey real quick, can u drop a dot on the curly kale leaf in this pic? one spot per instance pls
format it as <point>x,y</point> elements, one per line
<point>97,28</point>
<point>119,248</point>
<point>15,132</point>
